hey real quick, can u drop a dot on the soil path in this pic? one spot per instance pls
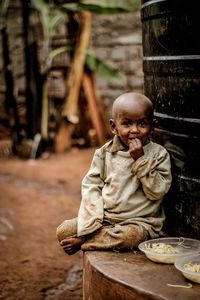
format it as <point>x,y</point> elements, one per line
<point>35,197</point>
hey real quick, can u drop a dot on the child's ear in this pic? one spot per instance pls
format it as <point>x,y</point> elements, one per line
<point>113,126</point>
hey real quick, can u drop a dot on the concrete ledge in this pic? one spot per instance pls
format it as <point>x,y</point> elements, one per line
<point>128,276</point>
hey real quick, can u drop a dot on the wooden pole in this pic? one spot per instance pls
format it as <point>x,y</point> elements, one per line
<point>70,109</point>
<point>94,108</point>
<point>74,81</point>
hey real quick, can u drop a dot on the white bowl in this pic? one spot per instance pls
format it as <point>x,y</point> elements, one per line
<point>181,265</point>
<point>180,245</point>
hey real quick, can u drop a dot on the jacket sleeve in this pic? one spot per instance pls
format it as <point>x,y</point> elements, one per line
<point>154,173</point>
<point>90,214</point>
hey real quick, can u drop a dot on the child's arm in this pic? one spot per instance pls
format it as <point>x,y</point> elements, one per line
<point>154,172</point>
<point>90,214</point>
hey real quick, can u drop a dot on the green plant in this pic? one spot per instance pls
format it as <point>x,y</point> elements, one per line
<point>51,18</point>
<point>102,6</point>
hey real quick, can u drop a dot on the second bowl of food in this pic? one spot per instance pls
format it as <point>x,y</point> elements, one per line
<point>190,267</point>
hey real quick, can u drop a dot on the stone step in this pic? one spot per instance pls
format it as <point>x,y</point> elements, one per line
<point>131,276</point>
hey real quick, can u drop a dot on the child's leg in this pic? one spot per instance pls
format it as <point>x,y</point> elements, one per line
<point>67,236</point>
<point>116,236</point>
<point>67,229</point>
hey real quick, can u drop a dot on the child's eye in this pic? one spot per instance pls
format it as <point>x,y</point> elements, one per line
<point>143,124</point>
<point>125,123</point>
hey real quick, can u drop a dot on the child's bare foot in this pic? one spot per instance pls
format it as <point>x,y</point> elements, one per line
<point>72,245</point>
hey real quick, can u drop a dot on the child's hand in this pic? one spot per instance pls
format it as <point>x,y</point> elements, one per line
<point>135,148</point>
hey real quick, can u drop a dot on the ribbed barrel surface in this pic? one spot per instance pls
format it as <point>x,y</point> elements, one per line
<point>171,64</point>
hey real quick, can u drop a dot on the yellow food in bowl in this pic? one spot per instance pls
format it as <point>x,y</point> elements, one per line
<point>192,267</point>
<point>161,248</point>
<point>155,251</point>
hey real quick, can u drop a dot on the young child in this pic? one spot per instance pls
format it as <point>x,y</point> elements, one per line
<point>124,187</point>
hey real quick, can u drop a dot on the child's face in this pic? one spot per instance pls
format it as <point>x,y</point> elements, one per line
<point>132,121</point>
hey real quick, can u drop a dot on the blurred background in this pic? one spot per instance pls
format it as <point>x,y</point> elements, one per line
<point>62,64</point>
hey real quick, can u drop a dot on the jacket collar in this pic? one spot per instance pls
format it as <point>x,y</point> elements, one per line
<point>116,145</point>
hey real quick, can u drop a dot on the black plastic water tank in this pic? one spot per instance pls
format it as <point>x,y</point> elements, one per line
<point>171,64</point>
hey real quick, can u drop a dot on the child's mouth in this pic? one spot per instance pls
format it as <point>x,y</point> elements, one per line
<point>133,138</point>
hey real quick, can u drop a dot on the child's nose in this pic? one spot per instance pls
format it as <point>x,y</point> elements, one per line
<point>134,128</point>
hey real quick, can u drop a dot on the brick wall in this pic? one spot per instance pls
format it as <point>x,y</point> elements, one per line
<point>117,40</point>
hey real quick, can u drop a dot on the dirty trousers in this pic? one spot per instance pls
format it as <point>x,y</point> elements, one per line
<point>109,236</point>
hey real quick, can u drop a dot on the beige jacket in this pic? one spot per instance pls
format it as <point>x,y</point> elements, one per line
<point>119,189</point>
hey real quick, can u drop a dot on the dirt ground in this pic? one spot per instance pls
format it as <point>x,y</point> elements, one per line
<point>35,197</point>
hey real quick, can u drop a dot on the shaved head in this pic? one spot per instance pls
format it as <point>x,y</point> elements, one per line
<point>130,100</point>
